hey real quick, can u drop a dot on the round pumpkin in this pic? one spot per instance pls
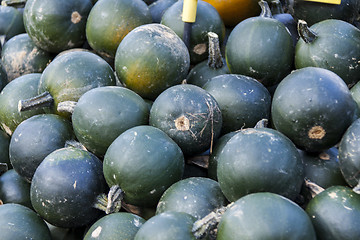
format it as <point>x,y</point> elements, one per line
<point>306,107</point>
<point>150,59</point>
<point>65,186</point>
<point>110,20</point>
<point>56,26</point>
<point>21,56</point>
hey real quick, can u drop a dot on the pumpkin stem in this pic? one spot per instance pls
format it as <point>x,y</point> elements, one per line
<point>75,144</point>
<point>208,224</point>
<point>276,7</point>
<point>3,168</point>
<point>265,9</point>
<point>112,202</point>
<point>215,60</point>
<point>13,3</point>
<point>66,106</point>
<point>356,189</point>
<point>263,123</point>
<point>305,32</point>
<point>313,187</point>
<point>40,101</point>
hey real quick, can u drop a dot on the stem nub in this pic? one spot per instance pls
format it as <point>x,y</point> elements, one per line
<point>265,9</point>
<point>112,202</point>
<point>305,32</point>
<point>43,100</point>
<point>66,106</point>
<point>263,123</point>
<point>215,60</point>
<point>313,187</point>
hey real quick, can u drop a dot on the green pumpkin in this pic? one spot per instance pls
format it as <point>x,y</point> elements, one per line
<point>330,44</point>
<point>56,26</point>
<point>11,22</point>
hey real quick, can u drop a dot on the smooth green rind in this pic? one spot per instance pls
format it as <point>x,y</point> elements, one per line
<point>168,225</point>
<point>14,189</point>
<point>261,48</point>
<point>18,222</point>
<point>65,186</point>
<point>115,226</point>
<point>144,162</point>
<point>306,107</point>
<point>259,160</point>
<point>189,115</point>
<point>335,214</point>
<point>56,26</point>
<point>197,196</point>
<point>243,101</point>
<point>150,59</point>
<point>265,216</point>
<point>102,114</point>
<point>336,48</point>
<point>21,56</point>
<point>20,88</point>
<point>110,20</point>
<point>34,139</point>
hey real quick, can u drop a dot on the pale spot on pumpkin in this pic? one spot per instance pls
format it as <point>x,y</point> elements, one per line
<point>182,123</point>
<point>6,129</point>
<point>324,156</point>
<point>199,49</point>
<point>75,17</point>
<point>96,232</point>
<point>74,185</point>
<point>333,195</point>
<point>316,132</point>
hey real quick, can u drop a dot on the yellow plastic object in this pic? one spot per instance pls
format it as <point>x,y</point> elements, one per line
<point>189,11</point>
<point>338,2</point>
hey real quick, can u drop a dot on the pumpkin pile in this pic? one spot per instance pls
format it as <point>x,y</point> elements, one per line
<point>115,127</point>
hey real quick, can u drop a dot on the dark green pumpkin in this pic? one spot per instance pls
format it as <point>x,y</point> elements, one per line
<point>306,107</point>
<point>265,216</point>
<point>259,160</point>
<point>34,139</point>
<point>14,189</point>
<point>143,161</point>
<point>19,222</point>
<point>4,149</point>
<point>65,186</point>
<point>331,44</point>
<point>349,153</point>
<point>21,56</point>
<point>260,47</point>
<point>11,22</point>
<point>168,225</point>
<point>243,101</point>
<point>335,213</point>
<point>189,115</point>
<point>110,20</point>
<point>102,114</point>
<point>120,226</point>
<point>313,12</point>
<point>56,26</point>
<point>207,20</point>
<point>158,8</point>
<point>150,59</point>
<point>20,88</point>
<point>197,196</point>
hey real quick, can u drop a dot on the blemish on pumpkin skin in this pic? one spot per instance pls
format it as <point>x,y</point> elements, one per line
<point>96,232</point>
<point>199,49</point>
<point>316,132</point>
<point>75,17</point>
<point>324,156</point>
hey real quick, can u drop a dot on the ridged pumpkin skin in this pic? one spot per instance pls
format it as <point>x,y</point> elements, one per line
<point>24,223</point>
<point>265,216</point>
<point>34,139</point>
<point>56,26</point>
<point>168,225</point>
<point>207,20</point>
<point>262,48</point>
<point>120,226</point>
<point>349,153</point>
<point>110,20</point>
<point>143,161</point>
<point>11,22</point>
<point>21,56</point>
<point>234,11</point>
<point>65,186</point>
<point>259,160</point>
<point>102,114</point>
<point>150,59</point>
<point>306,107</point>
<point>335,213</point>
<point>20,88</point>
<point>197,196</point>
<point>336,47</point>
<point>189,115</point>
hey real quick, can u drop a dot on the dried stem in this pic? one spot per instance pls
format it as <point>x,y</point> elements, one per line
<point>265,9</point>
<point>263,123</point>
<point>43,100</point>
<point>112,202</point>
<point>215,60</point>
<point>305,32</point>
<point>314,188</point>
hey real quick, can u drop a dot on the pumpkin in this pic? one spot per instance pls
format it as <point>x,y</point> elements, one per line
<point>331,44</point>
<point>11,22</point>
<point>21,56</point>
<point>150,59</point>
<point>158,8</point>
<point>110,20</point>
<point>306,107</point>
<point>56,26</point>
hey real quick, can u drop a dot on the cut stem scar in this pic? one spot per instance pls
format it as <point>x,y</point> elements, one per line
<point>75,17</point>
<point>182,123</point>
<point>316,132</point>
